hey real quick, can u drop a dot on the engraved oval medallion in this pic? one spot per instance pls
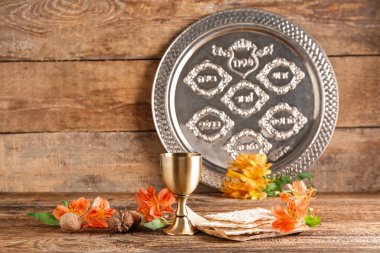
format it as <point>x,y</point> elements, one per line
<point>247,141</point>
<point>282,121</point>
<point>210,124</point>
<point>242,56</point>
<point>280,76</point>
<point>207,79</point>
<point>247,103</point>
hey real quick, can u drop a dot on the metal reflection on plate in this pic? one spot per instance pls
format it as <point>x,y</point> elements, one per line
<point>212,87</point>
<point>236,103</point>
<point>218,81</point>
<point>278,153</point>
<point>247,141</point>
<point>217,126</point>
<point>292,73</point>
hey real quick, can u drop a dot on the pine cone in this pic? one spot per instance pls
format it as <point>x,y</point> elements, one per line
<point>123,221</point>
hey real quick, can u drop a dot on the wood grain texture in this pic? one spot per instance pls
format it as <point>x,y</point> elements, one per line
<point>115,95</point>
<point>81,96</point>
<point>346,227</point>
<point>119,29</point>
<point>359,93</point>
<point>124,162</point>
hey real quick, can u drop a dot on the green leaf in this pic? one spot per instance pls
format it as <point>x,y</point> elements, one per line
<point>45,217</point>
<point>275,187</point>
<point>285,179</point>
<point>156,224</point>
<point>312,220</point>
<point>66,203</point>
<point>271,189</point>
<point>304,175</point>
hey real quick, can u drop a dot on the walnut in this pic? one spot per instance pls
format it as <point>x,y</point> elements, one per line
<point>70,222</point>
<point>123,221</point>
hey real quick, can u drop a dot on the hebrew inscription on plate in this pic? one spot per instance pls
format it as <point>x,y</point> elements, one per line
<point>207,79</point>
<point>243,56</point>
<point>282,71</point>
<point>210,124</point>
<point>282,121</point>
<point>247,102</point>
<point>247,141</point>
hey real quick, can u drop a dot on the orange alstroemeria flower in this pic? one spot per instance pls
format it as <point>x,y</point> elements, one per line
<point>286,220</point>
<point>79,207</point>
<point>299,190</point>
<point>152,205</point>
<point>298,201</point>
<point>300,194</point>
<point>100,211</point>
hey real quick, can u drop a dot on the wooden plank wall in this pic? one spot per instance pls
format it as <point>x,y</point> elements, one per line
<point>76,77</point>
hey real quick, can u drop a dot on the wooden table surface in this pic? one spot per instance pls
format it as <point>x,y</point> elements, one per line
<point>351,223</point>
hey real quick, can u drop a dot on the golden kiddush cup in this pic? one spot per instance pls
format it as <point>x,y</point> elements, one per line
<point>181,173</point>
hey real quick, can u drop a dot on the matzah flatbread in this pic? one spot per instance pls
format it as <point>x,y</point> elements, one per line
<point>242,231</point>
<point>228,224</point>
<point>243,217</point>
<point>240,225</point>
<point>194,218</point>
<point>243,238</point>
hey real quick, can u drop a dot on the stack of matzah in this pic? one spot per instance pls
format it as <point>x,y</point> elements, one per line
<point>240,225</point>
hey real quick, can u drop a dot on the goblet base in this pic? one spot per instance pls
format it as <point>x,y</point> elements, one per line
<point>181,226</point>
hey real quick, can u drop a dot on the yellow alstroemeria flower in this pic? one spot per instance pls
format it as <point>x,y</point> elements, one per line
<point>246,177</point>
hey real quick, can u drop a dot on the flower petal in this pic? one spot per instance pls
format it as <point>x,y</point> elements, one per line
<point>79,206</point>
<point>299,187</point>
<point>108,213</point>
<point>156,213</point>
<point>152,205</point>
<point>285,225</point>
<point>142,198</point>
<point>165,198</point>
<point>59,211</point>
<point>279,212</point>
<point>151,191</point>
<point>285,197</point>
<point>100,204</point>
<point>302,207</point>
<point>284,222</point>
<point>246,177</point>
<point>97,224</point>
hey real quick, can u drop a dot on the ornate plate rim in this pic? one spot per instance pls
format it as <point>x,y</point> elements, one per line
<point>329,94</point>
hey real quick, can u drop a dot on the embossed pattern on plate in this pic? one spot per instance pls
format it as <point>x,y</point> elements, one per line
<point>245,81</point>
<point>217,127</point>
<point>228,98</point>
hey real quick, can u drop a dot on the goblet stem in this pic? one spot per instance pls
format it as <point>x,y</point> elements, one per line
<point>181,224</point>
<point>181,205</point>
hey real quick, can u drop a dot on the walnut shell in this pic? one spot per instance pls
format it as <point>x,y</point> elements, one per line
<point>123,221</point>
<point>70,222</point>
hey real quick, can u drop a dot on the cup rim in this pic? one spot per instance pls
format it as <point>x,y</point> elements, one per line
<point>181,154</point>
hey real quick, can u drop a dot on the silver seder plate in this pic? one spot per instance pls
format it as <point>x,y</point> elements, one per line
<point>245,81</point>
